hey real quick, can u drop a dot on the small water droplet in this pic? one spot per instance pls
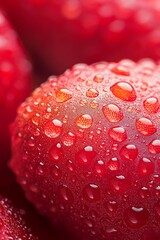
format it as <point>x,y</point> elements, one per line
<point>70,166</point>
<point>157,209</point>
<point>1,224</point>
<point>112,113</point>
<point>136,217</point>
<point>65,119</point>
<point>83,102</point>
<point>99,167</point>
<point>68,139</point>
<point>84,121</point>
<point>113,164</point>
<point>145,126</point>
<point>63,95</point>
<point>56,173</point>
<point>85,156</point>
<point>36,119</point>
<point>56,152</point>
<point>98,78</point>
<point>91,193</point>
<point>92,93</point>
<point>144,192</point>
<point>94,104</point>
<point>151,105</point>
<point>118,134</point>
<point>34,188</point>
<point>129,152</point>
<point>120,70</point>
<point>119,184</point>
<point>111,206</point>
<point>53,129</point>
<point>154,146</point>
<point>65,194</point>
<point>123,91</point>
<point>145,167</point>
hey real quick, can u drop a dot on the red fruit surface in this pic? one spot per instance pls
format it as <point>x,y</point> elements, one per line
<point>86,150</point>
<point>15,85</point>
<point>62,33</point>
<point>12,224</point>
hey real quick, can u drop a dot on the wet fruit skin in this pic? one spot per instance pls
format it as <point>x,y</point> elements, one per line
<point>15,85</point>
<point>12,224</point>
<point>86,150</point>
<point>68,32</point>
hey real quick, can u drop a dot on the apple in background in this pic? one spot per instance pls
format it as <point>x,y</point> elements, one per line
<point>86,150</point>
<point>59,34</point>
<point>15,85</point>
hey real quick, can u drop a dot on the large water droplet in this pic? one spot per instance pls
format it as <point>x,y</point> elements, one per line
<point>91,193</point>
<point>129,152</point>
<point>56,153</point>
<point>136,217</point>
<point>85,156</point>
<point>118,134</point>
<point>151,105</point>
<point>63,95</point>
<point>123,91</point>
<point>112,113</point>
<point>154,146</point>
<point>145,126</point>
<point>145,167</point>
<point>53,129</point>
<point>84,121</point>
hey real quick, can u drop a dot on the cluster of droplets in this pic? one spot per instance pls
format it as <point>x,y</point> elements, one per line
<point>73,160</point>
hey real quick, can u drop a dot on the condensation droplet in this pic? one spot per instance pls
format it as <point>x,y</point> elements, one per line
<point>70,166</point>
<point>111,206</point>
<point>145,126</point>
<point>151,105</point>
<point>154,146</point>
<point>113,164</point>
<point>118,134</point>
<point>119,184</point>
<point>145,167</point>
<point>120,70</point>
<point>68,139</point>
<point>98,78</point>
<point>136,217</point>
<point>63,95</point>
<point>65,194</point>
<point>53,129</point>
<point>83,102</point>
<point>92,93</point>
<point>84,121</point>
<point>100,167</point>
<point>56,173</point>
<point>123,91</point>
<point>56,153</point>
<point>94,104</point>
<point>85,156</point>
<point>91,193</point>
<point>112,113</point>
<point>157,209</point>
<point>129,152</point>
